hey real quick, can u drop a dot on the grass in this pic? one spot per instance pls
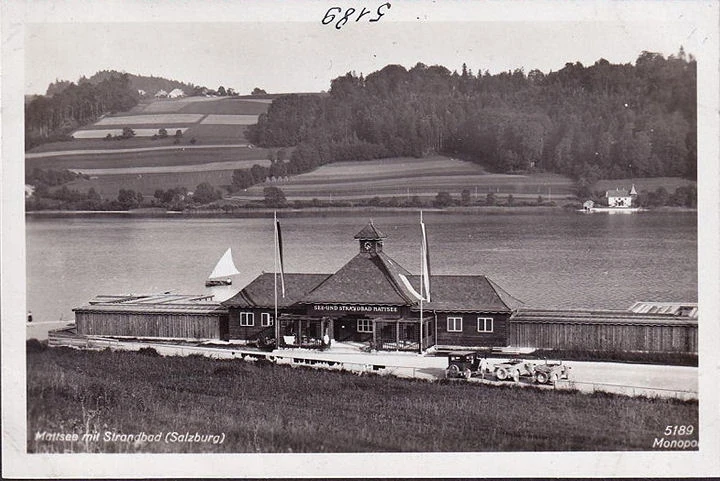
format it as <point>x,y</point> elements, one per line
<point>218,134</point>
<point>151,158</point>
<point>108,186</point>
<point>644,183</point>
<point>159,119</point>
<point>226,107</point>
<point>268,408</point>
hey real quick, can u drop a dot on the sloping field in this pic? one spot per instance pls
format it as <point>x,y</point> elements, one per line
<point>209,167</point>
<point>108,186</point>
<point>405,177</point>
<point>644,183</point>
<point>331,412</point>
<point>229,119</point>
<point>228,107</point>
<point>175,105</point>
<point>218,133</point>
<point>160,119</point>
<point>150,158</point>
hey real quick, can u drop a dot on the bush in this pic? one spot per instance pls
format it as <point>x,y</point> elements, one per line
<point>33,345</point>
<point>148,351</point>
<point>443,199</point>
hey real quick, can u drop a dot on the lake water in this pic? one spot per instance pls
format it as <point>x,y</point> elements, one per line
<point>558,259</point>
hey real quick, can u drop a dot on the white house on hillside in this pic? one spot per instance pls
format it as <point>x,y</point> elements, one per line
<point>176,93</point>
<point>161,94</point>
<point>621,197</point>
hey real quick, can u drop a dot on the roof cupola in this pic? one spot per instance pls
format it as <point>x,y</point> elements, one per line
<point>371,239</point>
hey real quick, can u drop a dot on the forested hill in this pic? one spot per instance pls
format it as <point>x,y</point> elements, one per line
<point>53,117</point>
<point>150,85</point>
<point>601,121</point>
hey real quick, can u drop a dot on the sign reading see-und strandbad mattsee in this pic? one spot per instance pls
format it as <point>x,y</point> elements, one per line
<point>354,308</point>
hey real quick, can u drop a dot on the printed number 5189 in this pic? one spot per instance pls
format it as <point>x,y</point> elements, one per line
<point>679,430</point>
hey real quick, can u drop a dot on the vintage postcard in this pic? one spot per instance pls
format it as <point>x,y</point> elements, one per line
<point>369,239</point>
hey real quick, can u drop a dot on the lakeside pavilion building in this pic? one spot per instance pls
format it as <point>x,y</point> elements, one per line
<point>372,299</point>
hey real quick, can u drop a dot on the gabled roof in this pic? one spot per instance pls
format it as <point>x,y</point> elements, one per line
<point>368,278</point>
<point>467,293</point>
<point>370,232</point>
<point>617,193</point>
<point>261,291</point>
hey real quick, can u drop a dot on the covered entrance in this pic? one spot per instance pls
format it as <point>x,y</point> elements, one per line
<point>295,330</point>
<point>402,334</point>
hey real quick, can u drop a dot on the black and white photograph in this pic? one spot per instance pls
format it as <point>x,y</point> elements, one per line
<point>360,239</point>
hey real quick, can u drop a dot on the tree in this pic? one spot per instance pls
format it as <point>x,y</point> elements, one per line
<point>258,91</point>
<point>242,179</point>
<point>205,193</point>
<point>465,195</point>
<point>274,197</point>
<point>221,91</point>
<point>127,133</point>
<point>443,199</point>
<point>129,199</point>
<point>162,133</point>
<point>490,199</point>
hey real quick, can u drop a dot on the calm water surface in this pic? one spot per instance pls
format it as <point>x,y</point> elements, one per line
<point>547,260</point>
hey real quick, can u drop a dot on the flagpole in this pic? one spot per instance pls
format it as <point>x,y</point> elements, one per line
<point>275,262</point>
<point>422,279</point>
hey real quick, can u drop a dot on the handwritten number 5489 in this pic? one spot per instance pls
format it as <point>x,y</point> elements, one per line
<point>337,13</point>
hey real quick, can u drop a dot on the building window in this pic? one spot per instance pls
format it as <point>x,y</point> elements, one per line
<point>454,324</point>
<point>266,320</point>
<point>364,325</point>
<point>485,324</point>
<point>247,319</point>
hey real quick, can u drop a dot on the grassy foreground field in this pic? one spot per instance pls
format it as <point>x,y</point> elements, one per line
<point>268,408</point>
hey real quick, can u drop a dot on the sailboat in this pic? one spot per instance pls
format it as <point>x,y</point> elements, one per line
<point>225,268</point>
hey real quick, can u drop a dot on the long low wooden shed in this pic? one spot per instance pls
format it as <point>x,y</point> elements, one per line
<point>609,330</point>
<point>159,316</point>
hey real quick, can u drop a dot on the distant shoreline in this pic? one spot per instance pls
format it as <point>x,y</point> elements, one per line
<point>321,211</point>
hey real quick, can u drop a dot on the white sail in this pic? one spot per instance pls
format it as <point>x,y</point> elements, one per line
<point>225,266</point>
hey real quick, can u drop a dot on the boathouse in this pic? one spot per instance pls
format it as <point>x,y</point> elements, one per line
<point>621,197</point>
<point>372,300</point>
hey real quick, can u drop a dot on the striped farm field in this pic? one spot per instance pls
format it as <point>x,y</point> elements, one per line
<point>175,105</point>
<point>162,119</point>
<point>151,158</point>
<point>405,177</point>
<point>228,106</point>
<point>224,119</point>
<point>209,167</point>
<point>217,134</point>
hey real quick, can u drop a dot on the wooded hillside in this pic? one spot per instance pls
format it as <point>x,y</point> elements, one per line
<point>601,121</point>
<point>54,117</point>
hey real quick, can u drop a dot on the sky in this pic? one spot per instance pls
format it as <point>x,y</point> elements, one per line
<point>304,55</point>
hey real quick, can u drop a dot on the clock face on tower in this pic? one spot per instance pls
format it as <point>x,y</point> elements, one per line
<point>367,246</point>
